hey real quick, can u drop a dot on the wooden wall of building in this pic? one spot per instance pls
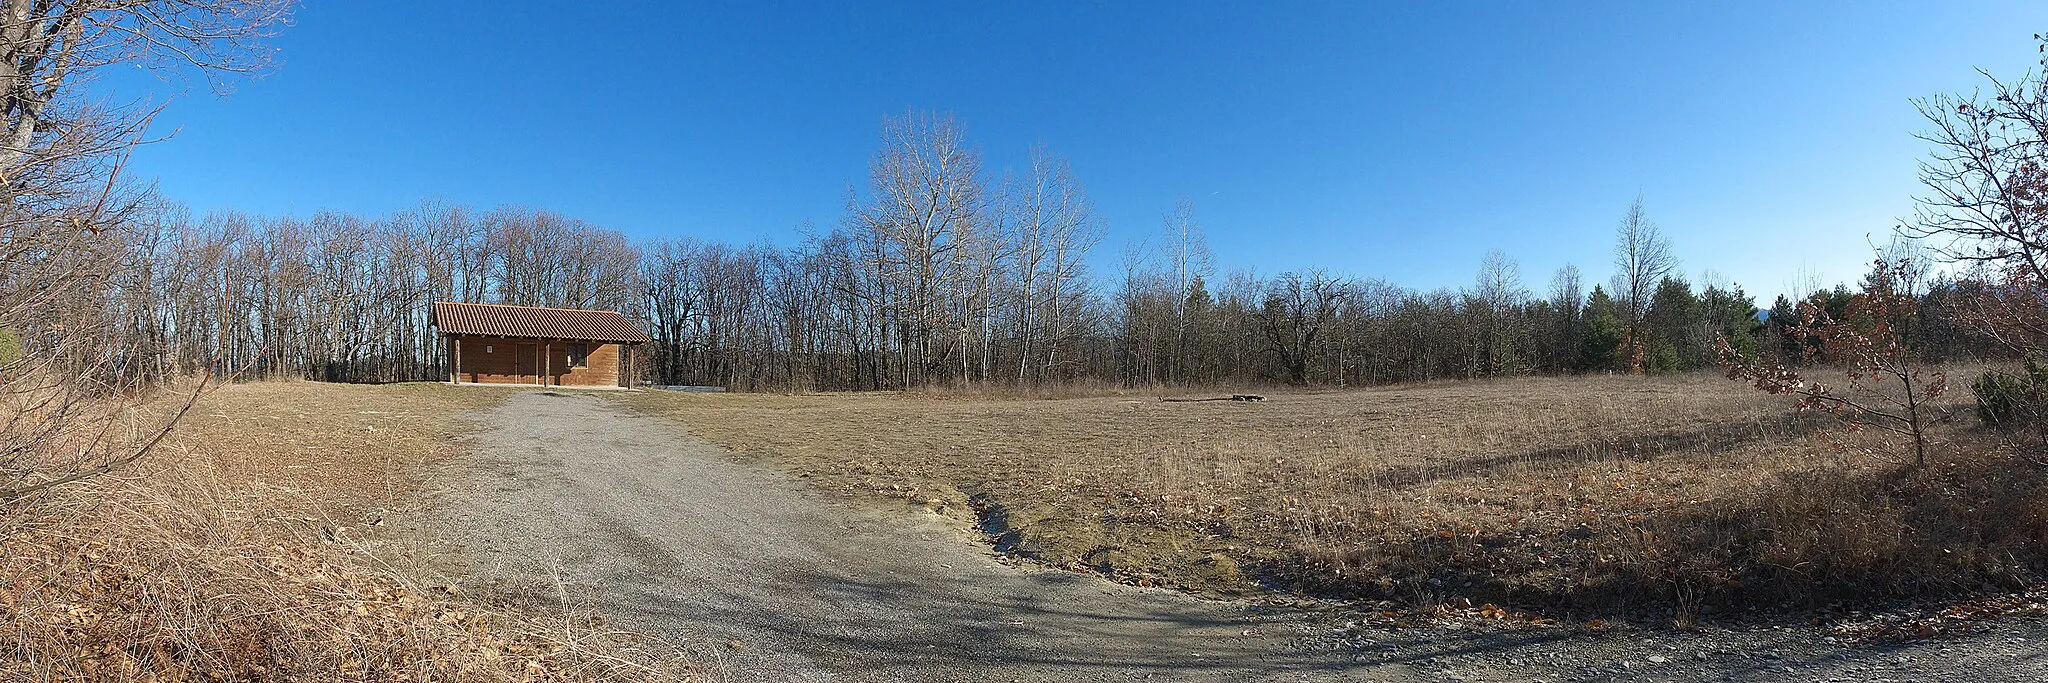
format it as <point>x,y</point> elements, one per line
<point>487,360</point>
<point>600,370</point>
<point>501,360</point>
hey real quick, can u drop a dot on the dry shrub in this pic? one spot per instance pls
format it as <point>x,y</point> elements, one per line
<point>1804,537</point>
<point>210,566</point>
<point>1976,521</point>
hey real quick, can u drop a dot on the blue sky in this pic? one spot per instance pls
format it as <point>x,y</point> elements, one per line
<point>1394,141</point>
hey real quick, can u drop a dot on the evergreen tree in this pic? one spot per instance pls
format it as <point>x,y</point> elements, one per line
<point>1676,342</point>
<point>1731,314</point>
<point>1664,359</point>
<point>1602,337</point>
<point>1778,327</point>
<point>1836,303</point>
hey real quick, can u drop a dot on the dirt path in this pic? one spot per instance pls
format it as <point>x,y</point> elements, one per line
<point>765,579</point>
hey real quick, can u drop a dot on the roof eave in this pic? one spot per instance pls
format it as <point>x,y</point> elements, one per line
<point>446,333</point>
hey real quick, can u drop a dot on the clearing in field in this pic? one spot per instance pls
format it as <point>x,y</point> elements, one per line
<point>1673,495</point>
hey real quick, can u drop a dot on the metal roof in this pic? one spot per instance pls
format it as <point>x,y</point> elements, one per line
<point>536,322</point>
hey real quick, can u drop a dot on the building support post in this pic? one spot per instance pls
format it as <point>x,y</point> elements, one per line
<point>455,369</point>
<point>547,363</point>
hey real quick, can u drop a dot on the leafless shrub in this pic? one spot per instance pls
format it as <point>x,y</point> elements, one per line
<point>68,227</point>
<point>1986,208</point>
<point>1887,387</point>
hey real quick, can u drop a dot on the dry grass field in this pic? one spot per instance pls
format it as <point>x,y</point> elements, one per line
<point>1567,496</point>
<point>237,553</point>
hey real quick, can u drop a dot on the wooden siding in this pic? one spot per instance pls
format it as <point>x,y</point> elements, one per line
<point>500,360</point>
<point>487,360</point>
<point>602,368</point>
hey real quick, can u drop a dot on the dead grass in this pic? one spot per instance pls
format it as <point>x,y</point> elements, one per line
<point>236,554</point>
<point>1564,495</point>
<point>1049,391</point>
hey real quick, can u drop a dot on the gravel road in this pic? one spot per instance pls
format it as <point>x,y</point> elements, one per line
<point>762,578</point>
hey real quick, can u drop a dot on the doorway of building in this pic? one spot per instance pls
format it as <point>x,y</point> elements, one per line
<point>526,363</point>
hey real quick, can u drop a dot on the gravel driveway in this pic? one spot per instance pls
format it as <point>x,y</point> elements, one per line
<point>762,578</point>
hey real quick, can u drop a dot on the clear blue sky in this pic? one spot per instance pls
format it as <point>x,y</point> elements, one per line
<point>1381,140</point>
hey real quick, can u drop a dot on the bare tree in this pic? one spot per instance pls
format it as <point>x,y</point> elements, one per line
<point>46,46</point>
<point>985,255</point>
<point>1499,296</point>
<point>1986,200</point>
<point>1567,288</point>
<point>926,203</point>
<point>1188,261</point>
<point>69,234</point>
<point>1056,227</point>
<point>1297,310</point>
<point>668,275</point>
<point>1987,177</point>
<point>1642,257</point>
<point>1499,285</point>
<point>1561,329</point>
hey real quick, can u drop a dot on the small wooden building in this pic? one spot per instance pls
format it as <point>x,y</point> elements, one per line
<point>497,344</point>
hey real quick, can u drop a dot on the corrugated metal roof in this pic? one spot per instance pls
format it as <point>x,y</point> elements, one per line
<point>536,322</point>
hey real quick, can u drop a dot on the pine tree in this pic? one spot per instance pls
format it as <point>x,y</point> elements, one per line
<point>1731,314</point>
<point>1603,334</point>
<point>1778,327</point>
<point>1676,341</point>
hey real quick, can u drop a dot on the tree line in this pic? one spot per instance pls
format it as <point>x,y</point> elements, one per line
<point>939,274</point>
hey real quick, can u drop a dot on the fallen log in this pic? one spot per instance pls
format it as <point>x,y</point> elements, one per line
<point>1232,397</point>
